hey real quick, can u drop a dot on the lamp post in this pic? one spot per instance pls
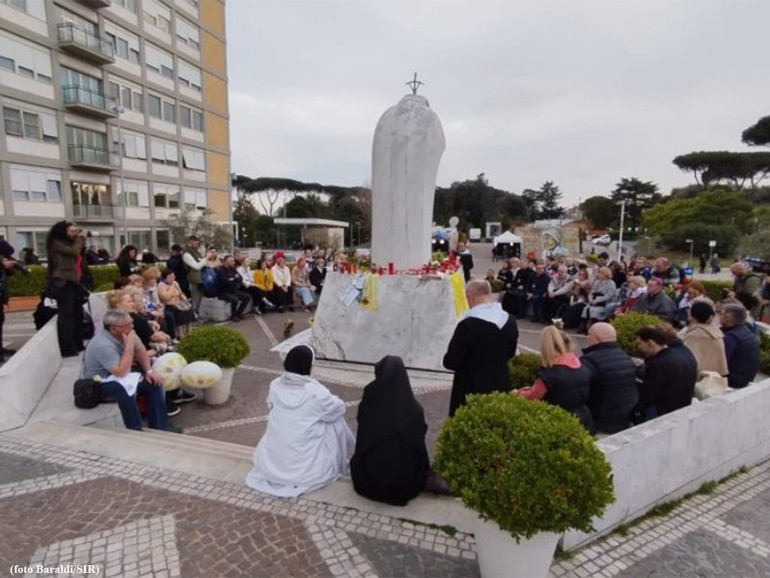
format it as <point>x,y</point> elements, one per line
<point>233,177</point>
<point>692,244</point>
<point>118,110</point>
<point>358,232</point>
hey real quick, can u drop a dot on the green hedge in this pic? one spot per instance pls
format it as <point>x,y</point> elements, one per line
<point>33,284</point>
<point>626,326</point>
<point>714,288</point>
<point>221,345</point>
<point>523,369</point>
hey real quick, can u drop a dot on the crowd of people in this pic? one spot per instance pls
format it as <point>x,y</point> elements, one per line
<point>308,443</point>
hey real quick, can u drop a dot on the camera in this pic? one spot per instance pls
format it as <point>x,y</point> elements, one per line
<point>88,234</point>
<point>17,265</point>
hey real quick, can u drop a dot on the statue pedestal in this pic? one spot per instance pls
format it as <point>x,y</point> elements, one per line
<point>414,319</point>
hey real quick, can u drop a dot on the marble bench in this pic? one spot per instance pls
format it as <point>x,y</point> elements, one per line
<point>213,309</point>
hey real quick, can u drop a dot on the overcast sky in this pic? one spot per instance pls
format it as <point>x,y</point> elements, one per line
<point>582,93</point>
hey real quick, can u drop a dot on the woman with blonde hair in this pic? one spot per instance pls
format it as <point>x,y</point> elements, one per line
<point>175,301</point>
<point>637,286</point>
<point>562,381</point>
<point>601,301</point>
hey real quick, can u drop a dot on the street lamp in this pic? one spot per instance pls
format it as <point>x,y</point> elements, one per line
<point>118,110</point>
<point>358,232</point>
<point>692,244</point>
<point>620,237</point>
<point>233,178</point>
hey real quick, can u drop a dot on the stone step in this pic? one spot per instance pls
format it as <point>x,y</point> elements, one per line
<point>189,454</point>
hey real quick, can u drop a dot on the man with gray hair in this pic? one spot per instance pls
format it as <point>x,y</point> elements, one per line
<point>110,357</point>
<point>741,346</point>
<point>483,342</point>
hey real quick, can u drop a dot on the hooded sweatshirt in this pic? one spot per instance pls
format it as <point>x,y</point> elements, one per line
<point>708,346</point>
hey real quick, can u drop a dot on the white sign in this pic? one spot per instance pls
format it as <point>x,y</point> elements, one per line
<point>712,243</point>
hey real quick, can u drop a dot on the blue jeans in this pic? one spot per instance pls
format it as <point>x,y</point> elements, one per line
<point>157,415</point>
<point>306,295</point>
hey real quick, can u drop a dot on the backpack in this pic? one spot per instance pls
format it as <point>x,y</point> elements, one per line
<point>209,282</point>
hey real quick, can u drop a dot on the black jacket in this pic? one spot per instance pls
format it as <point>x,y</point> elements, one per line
<point>568,388</point>
<point>614,393</point>
<point>478,353</point>
<point>538,284</point>
<point>522,277</point>
<point>668,383</point>
<point>228,280</point>
<point>743,363</point>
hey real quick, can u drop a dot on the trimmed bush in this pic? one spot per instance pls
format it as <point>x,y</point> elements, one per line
<point>221,345</point>
<point>104,287</point>
<point>626,326</point>
<point>592,258</point>
<point>33,284</point>
<point>523,369</point>
<point>526,465</point>
<point>764,362</point>
<point>713,289</point>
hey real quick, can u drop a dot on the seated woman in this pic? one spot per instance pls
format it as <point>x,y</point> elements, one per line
<point>637,287</point>
<point>705,339</point>
<point>694,291</point>
<point>307,442</point>
<point>601,301</point>
<point>562,381</point>
<point>258,294</point>
<point>391,462</point>
<point>300,282</point>
<point>175,301</point>
<point>151,301</point>
<point>129,300</point>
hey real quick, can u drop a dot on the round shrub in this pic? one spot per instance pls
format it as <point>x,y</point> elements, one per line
<point>104,287</point>
<point>529,466</point>
<point>626,326</point>
<point>523,369</point>
<point>221,345</point>
<point>496,285</point>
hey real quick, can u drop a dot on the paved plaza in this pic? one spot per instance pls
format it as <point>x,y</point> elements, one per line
<point>154,504</point>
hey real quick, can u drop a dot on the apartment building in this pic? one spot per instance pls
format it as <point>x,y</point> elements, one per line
<point>115,115</point>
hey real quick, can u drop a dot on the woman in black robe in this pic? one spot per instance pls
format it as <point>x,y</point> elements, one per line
<point>391,462</point>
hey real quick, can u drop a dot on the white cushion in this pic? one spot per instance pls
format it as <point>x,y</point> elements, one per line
<point>201,374</point>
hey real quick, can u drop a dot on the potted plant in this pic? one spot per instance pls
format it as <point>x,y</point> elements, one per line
<point>530,471</point>
<point>220,345</point>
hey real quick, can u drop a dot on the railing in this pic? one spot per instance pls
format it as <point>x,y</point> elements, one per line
<point>93,211</point>
<point>77,95</point>
<point>84,155</point>
<point>69,33</point>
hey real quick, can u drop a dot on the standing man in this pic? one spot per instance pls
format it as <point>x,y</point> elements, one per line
<point>741,346</point>
<point>466,260</point>
<point>194,262</point>
<point>483,342</point>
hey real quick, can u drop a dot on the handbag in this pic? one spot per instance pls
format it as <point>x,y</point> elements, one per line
<point>710,384</point>
<point>87,393</point>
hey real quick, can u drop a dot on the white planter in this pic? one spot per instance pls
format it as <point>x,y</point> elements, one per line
<point>500,556</point>
<point>220,393</point>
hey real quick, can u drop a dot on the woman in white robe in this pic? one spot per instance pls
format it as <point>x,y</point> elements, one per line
<point>307,443</point>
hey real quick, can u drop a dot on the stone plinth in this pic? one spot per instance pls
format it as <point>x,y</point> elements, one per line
<point>415,319</point>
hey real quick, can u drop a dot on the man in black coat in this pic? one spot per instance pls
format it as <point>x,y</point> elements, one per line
<point>483,342</point>
<point>614,393</point>
<point>229,284</point>
<point>741,346</point>
<point>668,381</point>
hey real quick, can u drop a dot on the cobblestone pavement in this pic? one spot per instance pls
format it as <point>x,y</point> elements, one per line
<point>722,534</point>
<point>66,507</point>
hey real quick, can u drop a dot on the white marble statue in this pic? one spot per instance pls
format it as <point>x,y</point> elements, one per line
<point>408,144</point>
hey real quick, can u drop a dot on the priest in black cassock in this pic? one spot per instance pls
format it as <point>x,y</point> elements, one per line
<point>483,342</point>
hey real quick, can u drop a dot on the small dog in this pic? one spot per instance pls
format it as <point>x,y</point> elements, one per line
<point>558,323</point>
<point>288,327</point>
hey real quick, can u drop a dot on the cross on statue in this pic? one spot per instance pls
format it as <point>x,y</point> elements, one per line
<point>414,84</point>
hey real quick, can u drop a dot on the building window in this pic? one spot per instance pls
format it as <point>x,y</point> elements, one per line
<point>189,75</point>
<point>163,238</point>
<point>191,118</point>
<point>35,184</point>
<point>156,14</point>
<point>137,193</point>
<point>126,44</point>
<point>129,5</point>
<point>161,108</point>
<point>193,159</point>
<point>24,59</point>
<point>187,33</point>
<point>133,147</point>
<point>32,7</point>
<point>164,152</point>
<point>159,61</point>
<point>166,196</point>
<point>195,199</point>
<point>33,239</point>
<point>129,96</point>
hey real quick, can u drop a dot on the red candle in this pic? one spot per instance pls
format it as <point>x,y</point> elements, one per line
<point>390,268</point>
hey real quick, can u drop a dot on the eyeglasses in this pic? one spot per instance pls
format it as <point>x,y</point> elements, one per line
<point>126,324</point>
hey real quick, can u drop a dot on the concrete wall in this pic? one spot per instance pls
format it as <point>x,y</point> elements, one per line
<point>672,456</point>
<point>25,377</point>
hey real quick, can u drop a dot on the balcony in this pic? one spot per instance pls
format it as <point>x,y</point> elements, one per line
<point>91,158</point>
<point>87,101</point>
<point>85,44</point>
<point>93,212</point>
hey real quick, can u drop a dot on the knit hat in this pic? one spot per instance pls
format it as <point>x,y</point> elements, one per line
<point>279,255</point>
